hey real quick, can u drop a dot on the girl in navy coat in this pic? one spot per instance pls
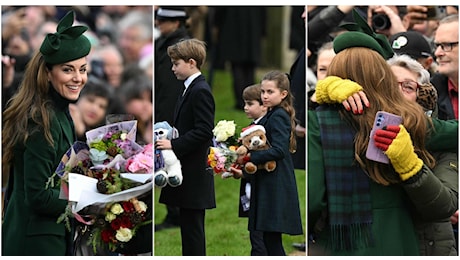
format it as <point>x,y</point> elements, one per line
<point>274,198</point>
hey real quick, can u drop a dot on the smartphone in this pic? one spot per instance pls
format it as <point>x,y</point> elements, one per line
<point>382,119</point>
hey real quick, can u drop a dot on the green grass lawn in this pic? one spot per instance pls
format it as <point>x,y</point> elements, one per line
<point>226,233</point>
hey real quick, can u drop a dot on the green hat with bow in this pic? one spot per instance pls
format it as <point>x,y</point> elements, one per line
<point>68,42</point>
<point>360,34</point>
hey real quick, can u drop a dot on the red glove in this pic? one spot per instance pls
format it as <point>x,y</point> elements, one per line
<point>384,137</point>
<point>395,141</point>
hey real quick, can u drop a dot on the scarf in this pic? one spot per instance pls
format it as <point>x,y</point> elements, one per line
<point>348,190</point>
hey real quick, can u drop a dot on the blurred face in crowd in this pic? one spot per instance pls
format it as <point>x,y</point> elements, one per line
<point>113,66</point>
<point>407,81</point>
<point>447,59</point>
<point>93,109</point>
<point>167,26</point>
<point>131,42</point>
<point>324,59</point>
<point>141,108</point>
<point>69,78</point>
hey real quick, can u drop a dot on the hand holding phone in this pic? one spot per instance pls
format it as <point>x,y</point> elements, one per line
<point>382,119</point>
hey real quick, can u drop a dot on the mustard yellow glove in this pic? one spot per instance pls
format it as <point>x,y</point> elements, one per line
<point>396,143</point>
<point>333,89</point>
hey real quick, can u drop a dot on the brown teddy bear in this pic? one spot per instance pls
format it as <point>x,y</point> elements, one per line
<point>253,138</point>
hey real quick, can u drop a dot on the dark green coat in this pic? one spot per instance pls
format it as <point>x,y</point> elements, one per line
<point>435,205</point>
<point>29,226</point>
<point>392,225</point>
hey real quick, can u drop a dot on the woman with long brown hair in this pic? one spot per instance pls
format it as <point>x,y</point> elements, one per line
<point>358,206</point>
<point>37,132</point>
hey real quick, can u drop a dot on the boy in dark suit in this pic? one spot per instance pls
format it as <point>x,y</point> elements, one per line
<point>194,120</point>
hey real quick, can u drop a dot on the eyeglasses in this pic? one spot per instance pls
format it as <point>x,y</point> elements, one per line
<point>445,46</point>
<point>408,86</point>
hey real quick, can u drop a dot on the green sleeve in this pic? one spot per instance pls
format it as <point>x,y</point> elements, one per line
<point>443,137</point>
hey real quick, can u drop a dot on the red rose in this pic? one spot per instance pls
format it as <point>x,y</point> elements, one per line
<point>128,207</point>
<point>126,222</point>
<point>116,223</point>
<point>107,235</point>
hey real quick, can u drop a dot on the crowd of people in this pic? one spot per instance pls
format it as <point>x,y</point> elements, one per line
<point>66,69</point>
<point>366,59</point>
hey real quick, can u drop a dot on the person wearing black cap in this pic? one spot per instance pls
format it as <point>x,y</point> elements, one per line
<point>37,131</point>
<point>416,46</point>
<point>170,21</point>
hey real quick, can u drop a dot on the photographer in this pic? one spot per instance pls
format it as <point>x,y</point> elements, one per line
<point>385,19</point>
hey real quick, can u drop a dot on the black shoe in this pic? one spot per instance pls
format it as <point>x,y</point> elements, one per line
<point>164,225</point>
<point>299,246</point>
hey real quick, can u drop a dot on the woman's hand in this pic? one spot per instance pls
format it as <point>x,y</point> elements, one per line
<point>355,102</point>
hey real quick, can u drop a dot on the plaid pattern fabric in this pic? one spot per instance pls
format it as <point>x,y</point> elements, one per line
<point>348,192</point>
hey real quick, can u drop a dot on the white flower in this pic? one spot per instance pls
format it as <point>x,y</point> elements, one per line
<point>123,136</point>
<point>109,216</point>
<point>142,206</point>
<point>223,130</point>
<point>116,209</point>
<point>124,234</point>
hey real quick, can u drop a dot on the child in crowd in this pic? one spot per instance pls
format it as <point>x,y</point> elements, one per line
<point>91,108</point>
<point>254,110</point>
<point>274,198</point>
<point>194,120</point>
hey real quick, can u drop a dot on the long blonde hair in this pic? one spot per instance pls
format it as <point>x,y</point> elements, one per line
<point>282,82</point>
<point>31,102</point>
<point>370,70</point>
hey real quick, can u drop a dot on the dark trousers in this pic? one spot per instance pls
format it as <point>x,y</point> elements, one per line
<point>257,243</point>
<point>274,243</point>
<point>172,216</point>
<point>192,232</point>
<point>243,75</point>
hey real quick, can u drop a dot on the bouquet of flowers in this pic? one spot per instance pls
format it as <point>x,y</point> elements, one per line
<point>119,224</point>
<point>222,154</point>
<point>110,169</point>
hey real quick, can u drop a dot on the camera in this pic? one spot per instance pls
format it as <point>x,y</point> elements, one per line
<point>435,12</point>
<point>380,22</point>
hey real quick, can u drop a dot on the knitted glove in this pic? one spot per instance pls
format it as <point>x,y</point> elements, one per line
<point>396,143</point>
<point>333,89</point>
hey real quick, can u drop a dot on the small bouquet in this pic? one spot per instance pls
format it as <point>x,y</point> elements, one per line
<point>119,224</point>
<point>109,169</point>
<point>225,133</point>
<point>222,154</point>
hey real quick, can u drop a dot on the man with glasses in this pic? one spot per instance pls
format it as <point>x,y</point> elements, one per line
<point>446,80</point>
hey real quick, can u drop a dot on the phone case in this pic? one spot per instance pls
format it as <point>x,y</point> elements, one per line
<point>382,119</point>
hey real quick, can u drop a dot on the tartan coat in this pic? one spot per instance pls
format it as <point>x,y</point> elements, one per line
<point>274,203</point>
<point>392,226</point>
<point>29,226</point>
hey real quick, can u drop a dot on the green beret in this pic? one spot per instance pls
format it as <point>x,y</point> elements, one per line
<point>67,44</point>
<point>361,34</point>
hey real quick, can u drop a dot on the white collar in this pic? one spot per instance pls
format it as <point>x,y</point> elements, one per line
<point>189,80</point>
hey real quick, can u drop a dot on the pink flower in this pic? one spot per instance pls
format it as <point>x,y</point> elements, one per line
<point>141,162</point>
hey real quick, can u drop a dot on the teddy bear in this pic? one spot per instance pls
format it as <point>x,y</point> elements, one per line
<point>253,138</point>
<point>168,169</point>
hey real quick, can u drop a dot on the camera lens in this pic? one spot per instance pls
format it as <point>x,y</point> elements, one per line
<point>380,22</point>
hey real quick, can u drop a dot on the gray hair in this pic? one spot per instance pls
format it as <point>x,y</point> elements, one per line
<point>405,61</point>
